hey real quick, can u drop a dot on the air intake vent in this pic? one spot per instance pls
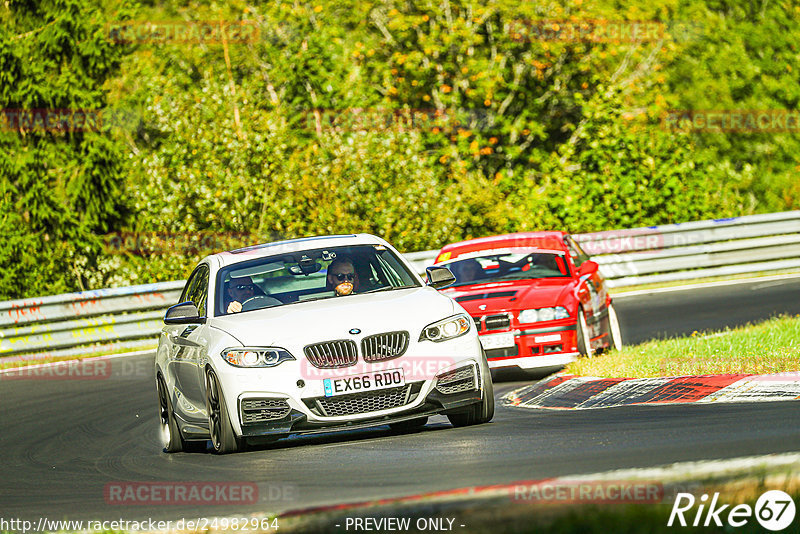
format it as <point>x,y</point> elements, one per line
<point>371,401</point>
<point>462,379</point>
<point>261,410</point>
<point>481,296</point>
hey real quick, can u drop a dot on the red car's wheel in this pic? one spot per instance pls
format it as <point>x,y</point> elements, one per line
<point>584,341</point>
<point>613,329</point>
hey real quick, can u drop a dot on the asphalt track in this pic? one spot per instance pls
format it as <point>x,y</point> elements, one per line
<point>64,441</point>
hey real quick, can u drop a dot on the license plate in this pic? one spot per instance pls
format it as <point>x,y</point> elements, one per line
<point>368,382</point>
<point>547,339</point>
<point>497,341</point>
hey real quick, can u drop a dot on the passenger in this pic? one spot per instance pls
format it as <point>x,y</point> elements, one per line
<point>545,261</point>
<point>467,271</point>
<point>342,276</point>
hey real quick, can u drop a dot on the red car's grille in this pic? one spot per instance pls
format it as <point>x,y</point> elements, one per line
<point>494,322</point>
<point>477,323</point>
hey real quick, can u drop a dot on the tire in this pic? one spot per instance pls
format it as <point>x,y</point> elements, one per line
<point>584,342</point>
<point>411,424</point>
<point>223,439</point>
<point>170,434</point>
<point>614,332</point>
<point>483,411</point>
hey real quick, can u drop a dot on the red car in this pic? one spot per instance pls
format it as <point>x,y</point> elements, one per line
<point>536,298</point>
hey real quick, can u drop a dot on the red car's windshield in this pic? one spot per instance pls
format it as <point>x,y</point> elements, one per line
<point>509,266</point>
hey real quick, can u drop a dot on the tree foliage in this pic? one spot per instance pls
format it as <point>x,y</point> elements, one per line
<point>423,122</point>
<point>62,185</point>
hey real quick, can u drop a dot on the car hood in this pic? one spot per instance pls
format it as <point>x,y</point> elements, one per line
<point>333,318</point>
<point>512,295</point>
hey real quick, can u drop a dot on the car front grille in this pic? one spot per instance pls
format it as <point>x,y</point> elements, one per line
<point>458,380</point>
<point>261,410</point>
<point>359,403</point>
<point>477,323</point>
<point>386,346</point>
<point>493,322</point>
<point>332,354</point>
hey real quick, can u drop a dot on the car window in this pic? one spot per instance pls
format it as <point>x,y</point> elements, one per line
<point>577,253</point>
<point>200,293</point>
<point>196,289</point>
<point>193,280</point>
<point>299,277</point>
<point>508,266</point>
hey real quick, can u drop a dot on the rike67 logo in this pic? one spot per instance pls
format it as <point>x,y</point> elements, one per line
<point>774,510</point>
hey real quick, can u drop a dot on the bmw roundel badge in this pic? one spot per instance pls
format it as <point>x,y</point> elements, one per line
<point>355,331</point>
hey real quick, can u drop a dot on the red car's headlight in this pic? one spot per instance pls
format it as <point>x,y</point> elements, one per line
<point>543,314</point>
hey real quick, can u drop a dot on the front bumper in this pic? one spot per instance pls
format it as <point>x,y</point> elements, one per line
<point>291,399</point>
<point>536,347</point>
<point>296,422</point>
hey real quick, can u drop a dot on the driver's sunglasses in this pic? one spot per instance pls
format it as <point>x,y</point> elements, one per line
<point>345,276</point>
<point>243,287</point>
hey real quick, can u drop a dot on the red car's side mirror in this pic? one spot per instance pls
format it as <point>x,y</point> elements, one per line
<point>587,268</point>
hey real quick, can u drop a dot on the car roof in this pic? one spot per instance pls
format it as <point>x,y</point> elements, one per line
<point>290,246</point>
<point>550,240</point>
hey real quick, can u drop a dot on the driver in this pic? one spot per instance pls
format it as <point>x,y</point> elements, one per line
<point>239,290</point>
<point>342,276</point>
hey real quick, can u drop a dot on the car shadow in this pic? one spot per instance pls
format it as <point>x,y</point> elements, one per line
<point>333,437</point>
<point>341,436</point>
<point>517,374</point>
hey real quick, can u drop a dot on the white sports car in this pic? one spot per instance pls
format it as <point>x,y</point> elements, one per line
<point>313,335</point>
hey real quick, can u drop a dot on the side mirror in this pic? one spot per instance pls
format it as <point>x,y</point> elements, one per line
<point>588,268</point>
<point>439,277</point>
<point>183,313</point>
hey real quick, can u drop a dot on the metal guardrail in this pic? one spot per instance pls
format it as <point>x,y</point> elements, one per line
<point>128,318</point>
<point>58,325</point>
<point>687,251</point>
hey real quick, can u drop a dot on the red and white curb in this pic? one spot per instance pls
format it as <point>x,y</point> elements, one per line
<point>583,392</point>
<point>605,487</point>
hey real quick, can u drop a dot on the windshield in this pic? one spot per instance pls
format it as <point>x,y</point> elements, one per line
<point>310,275</point>
<point>509,266</point>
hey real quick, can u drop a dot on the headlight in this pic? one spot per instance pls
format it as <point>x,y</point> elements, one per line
<point>256,356</point>
<point>445,329</point>
<point>543,314</point>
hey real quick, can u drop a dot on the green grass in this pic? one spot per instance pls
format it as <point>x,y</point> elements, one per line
<point>769,347</point>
